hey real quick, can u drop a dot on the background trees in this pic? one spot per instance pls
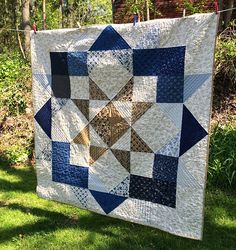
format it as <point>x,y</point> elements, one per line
<point>53,14</point>
<point>47,14</point>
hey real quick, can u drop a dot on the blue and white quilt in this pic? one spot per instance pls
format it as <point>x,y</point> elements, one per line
<point>122,119</point>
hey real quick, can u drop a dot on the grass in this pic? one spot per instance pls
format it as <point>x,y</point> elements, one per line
<point>29,222</point>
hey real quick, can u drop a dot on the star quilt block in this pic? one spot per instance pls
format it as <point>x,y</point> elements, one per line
<point>122,119</point>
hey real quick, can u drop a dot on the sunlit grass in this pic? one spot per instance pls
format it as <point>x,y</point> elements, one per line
<point>29,222</point>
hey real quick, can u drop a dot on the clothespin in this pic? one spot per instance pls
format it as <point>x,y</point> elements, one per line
<point>184,12</point>
<point>216,6</point>
<point>34,27</point>
<point>135,19</point>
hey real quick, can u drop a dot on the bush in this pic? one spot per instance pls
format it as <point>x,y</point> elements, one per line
<point>15,155</point>
<point>15,122</point>
<point>196,6</point>
<point>14,74</point>
<point>222,159</point>
<point>226,57</point>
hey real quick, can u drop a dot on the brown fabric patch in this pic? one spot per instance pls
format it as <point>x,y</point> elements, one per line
<point>138,109</point>
<point>95,93</point>
<point>109,124</point>
<point>123,157</point>
<point>83,106</point>
<point>126,93</point>
<point>101,124</point>
<point>138,144</point>
<point>82,137</point>
<point>95,153</point>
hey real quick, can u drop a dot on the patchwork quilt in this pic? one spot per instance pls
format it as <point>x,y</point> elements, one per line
<point>122,119</point>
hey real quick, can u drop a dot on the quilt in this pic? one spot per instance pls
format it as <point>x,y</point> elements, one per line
<point>122,119</point>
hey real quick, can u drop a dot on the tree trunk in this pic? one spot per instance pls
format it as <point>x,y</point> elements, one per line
<point>44,14</point>
<point>138,13</point>
<point>228,4</point>
<point>17,15</point>
<point>113,10</point>
<point>62,14</point>
<point>147,10</point>
<point>26,25</point>
<point>154,10</point>
<point>225,17</point>
<point>6,12</point>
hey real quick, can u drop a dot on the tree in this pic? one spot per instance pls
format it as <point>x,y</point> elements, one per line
<point>113,9</point>
<point>26,24</point>
<point>225,16</point>
<point>44,14</point>
<point>139,7</point>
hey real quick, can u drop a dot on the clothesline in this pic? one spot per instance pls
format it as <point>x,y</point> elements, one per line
<point>19,30</point>
<point>14,30</point>
<point>234,8</point>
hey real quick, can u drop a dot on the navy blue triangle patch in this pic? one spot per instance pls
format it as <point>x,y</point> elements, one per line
<point>44,118</point>
<point>109,39</point>
<point>108,202</point>
<point>192,132</point>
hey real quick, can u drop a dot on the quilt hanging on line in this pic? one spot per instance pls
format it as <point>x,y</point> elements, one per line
<point>122,119</point>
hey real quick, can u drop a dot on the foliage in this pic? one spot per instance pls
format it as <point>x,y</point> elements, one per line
<point>193,7</point>
<point>13,73</point>
<point>96,12</point>
<point>9,68</point>
<point>82,11</point>
<point>226,55</point>
<point>138,7</point>
<point>15,122</point>
<point>7,21</point>
<point>15,154</point>
<point>52,14</point>
<point>17,144</point>
<point>222,161</point>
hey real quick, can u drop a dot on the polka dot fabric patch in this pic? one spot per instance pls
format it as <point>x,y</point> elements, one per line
<point>122,117</point>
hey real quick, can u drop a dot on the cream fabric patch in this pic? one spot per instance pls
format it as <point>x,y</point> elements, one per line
<point>122,118</point>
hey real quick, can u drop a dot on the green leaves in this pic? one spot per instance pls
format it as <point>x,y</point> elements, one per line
<point>226,55</point>
<point>15,122</point>
<point>13,72</point>
<point>193,7</point>
<point>222,161</point>
<point>137,7</point>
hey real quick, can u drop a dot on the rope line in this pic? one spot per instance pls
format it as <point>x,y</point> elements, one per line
<point>14,30</point>
<point>234,8</point>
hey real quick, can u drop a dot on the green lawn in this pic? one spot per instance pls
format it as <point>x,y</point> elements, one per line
<point>29,222</point>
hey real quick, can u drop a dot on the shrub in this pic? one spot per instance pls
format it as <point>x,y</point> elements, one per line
<point>222,159</point>
<point>196,6</point>
<point>14,73</point>
<point>15,123</point>
<point>226,57</point>
<point>15,155</point>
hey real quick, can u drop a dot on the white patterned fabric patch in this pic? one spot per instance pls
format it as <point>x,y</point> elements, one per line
<point>122,117</point>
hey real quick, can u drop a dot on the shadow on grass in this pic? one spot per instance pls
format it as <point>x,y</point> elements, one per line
<point>27,178</point>
<point>145,237</point>
<point>122,235</point>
